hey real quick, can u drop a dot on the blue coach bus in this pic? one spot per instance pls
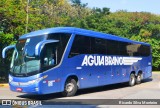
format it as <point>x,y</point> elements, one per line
<point>65,59</point>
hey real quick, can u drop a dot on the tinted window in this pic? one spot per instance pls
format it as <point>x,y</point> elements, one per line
<point>61,45</point>
<point>81,45</point>
<point>87,45</point>
<point>138,50</point>
<point>91,45</point>
<point>112,47</point>
<point>144,50</point>
<point>98,46</point>
<point>133,49</point>
<point>123,48</point>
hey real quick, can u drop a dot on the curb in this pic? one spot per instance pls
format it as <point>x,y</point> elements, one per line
<point>4,85</point>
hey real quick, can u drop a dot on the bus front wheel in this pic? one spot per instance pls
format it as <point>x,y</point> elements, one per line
<point>70,88</point>
<point>132,80</point>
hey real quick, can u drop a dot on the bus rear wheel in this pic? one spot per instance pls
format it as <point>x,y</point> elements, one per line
<point>70,88</point>
<point>132,80</point>
<point>139,78</point>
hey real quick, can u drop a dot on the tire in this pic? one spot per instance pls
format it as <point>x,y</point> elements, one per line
<point>139,78</point>
<point>132,80</point>
<point>70,88</point>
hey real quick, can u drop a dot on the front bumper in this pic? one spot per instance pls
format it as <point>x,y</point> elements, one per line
<point>32,89</point>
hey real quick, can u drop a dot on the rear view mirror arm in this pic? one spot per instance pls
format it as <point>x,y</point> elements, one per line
<point>6,49</point>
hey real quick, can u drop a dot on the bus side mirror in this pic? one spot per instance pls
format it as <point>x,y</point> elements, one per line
<point>6,49</point>
<point>41,44</point>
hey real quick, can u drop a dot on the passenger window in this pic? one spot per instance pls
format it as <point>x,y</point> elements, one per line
<point>123,49</point>
<point>81,45</point>
<point>138,50</point>
<point>112,47</point>
<point>91,45</point>
<point>98,46</point>
<point>144,50</point>
<point>62,44</point>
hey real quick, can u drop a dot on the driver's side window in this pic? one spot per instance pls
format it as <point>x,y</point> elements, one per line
<point>48,56</point>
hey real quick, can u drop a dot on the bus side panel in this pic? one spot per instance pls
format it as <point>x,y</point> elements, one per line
<point>92,76</point>
<point>52,83</point>
<point>87,75</point>
<point>146,67</point>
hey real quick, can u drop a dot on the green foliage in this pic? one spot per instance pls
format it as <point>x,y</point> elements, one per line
<point>5,39</point>
<point>78,3</point>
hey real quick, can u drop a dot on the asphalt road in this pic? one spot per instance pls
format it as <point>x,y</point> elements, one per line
<point>148,89</point>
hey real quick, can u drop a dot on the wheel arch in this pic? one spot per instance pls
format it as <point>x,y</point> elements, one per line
<point>139,71</point>
<point>133,72</point>
<point>72,76</point>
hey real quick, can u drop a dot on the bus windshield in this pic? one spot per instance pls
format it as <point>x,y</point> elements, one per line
<point>24,61</point>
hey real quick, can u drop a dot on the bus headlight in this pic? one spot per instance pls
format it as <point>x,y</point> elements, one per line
<point>10,78</point>
<point>37,80</point>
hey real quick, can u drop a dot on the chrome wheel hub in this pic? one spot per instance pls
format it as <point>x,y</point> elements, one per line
<point>69,87</point>
<point>132,80</point>
<point>138,78</point>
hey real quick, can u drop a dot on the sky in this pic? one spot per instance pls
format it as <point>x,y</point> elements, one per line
<point>152,6</point>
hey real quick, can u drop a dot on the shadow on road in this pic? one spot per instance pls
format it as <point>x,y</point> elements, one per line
<point>80,92</point>
<point>147,80</point>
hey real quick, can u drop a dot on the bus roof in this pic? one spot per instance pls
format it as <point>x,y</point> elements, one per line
<point>80,32</point>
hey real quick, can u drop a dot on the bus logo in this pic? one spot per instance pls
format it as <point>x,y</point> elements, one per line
<point>108,60</point>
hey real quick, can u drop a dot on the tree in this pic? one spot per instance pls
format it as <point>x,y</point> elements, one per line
<point>78,3</point>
